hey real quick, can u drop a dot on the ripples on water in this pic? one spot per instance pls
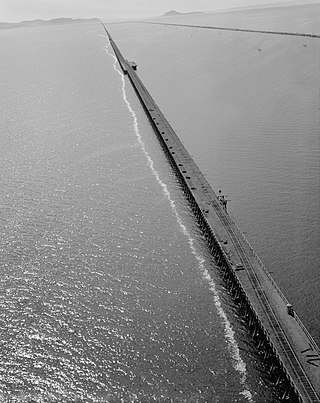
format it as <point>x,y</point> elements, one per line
<point>105,295</point>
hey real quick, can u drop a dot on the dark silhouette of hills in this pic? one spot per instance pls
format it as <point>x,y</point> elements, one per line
<point>40,23</point>
<point>175,13</point>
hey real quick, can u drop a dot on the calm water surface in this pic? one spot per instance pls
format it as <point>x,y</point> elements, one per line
<point>247,108</point>
<point>107,290</point>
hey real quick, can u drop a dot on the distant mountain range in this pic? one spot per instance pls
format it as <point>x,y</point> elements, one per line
<point>39,23</point>
<point>175,13</point>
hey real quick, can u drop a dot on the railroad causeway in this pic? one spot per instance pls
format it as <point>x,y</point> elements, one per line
<point>290,353</point>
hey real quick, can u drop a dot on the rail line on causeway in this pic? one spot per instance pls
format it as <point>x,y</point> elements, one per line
<point>257,31</point>
<point>290,353</point>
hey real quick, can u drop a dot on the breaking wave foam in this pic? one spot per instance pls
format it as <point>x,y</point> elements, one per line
<point>238,362</point>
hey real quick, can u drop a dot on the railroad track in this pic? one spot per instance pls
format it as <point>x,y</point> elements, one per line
<point>278,331</point>
<point>174,146</point>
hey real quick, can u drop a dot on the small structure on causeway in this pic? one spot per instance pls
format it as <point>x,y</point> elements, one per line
<point>133,65</point>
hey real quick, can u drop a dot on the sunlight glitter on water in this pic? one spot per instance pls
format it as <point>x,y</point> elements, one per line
<point>240,366</point>
<point>102,290</point>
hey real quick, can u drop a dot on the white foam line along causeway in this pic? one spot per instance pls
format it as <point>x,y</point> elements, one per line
<point>239,364</point>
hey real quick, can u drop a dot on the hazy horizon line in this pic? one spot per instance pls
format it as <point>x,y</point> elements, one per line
<point>122,17</point>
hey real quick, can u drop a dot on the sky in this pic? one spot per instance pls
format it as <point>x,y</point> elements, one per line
<point>19,10</point>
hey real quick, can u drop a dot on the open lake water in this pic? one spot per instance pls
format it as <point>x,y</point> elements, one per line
<point>246,106</point>
<point>107,290</point>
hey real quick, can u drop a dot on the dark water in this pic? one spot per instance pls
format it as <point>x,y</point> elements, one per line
<point>247,108</point>
<point>107,290</point>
